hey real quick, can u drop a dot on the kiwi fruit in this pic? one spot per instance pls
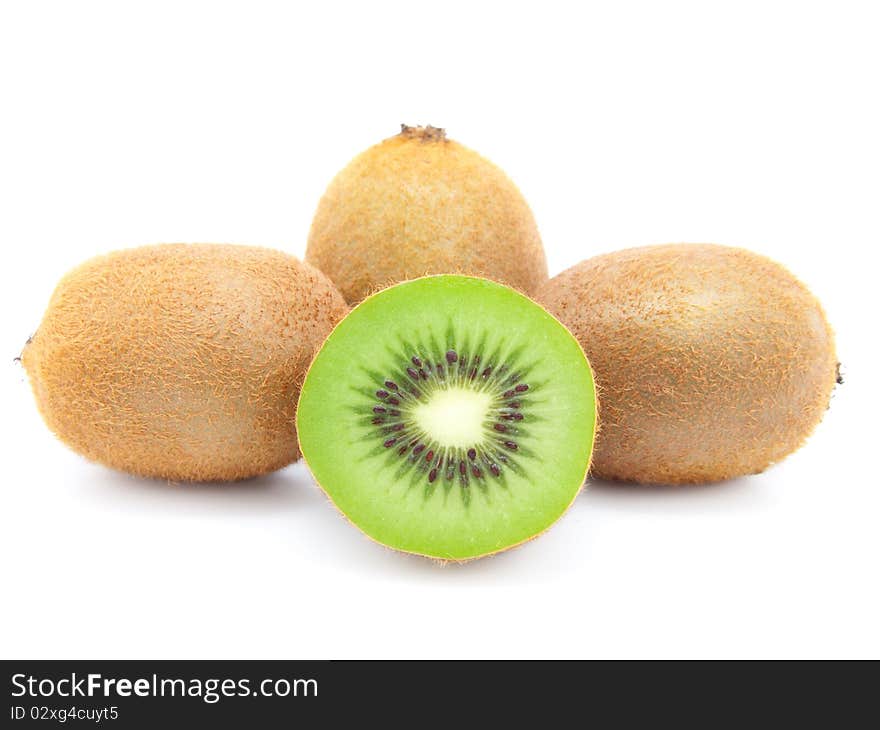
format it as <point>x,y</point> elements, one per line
<point>417,204</point>
<point>449,416</point>
<point>181,361</point>
<point>711,362</point>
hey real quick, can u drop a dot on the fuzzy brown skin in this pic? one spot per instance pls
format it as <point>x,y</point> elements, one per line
<point>711,362</point>
<point>420,204</point>
<point>181,361</point>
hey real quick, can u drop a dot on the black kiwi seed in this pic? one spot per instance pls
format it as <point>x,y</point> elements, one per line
<point>451,356</point>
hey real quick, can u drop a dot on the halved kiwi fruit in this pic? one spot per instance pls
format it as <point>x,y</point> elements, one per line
<point>449,416</point>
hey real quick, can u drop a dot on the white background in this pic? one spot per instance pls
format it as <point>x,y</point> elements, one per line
<point>752,124</point>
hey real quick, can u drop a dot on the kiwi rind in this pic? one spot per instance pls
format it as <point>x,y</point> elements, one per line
<point>181,361</point>
<point>335,445</point>
<point>419,204</point>
<point>711,362</point>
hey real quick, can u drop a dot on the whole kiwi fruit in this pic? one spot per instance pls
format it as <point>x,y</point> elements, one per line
<point>181,361</point>
<point>711,362</point>
<point>419,203</point>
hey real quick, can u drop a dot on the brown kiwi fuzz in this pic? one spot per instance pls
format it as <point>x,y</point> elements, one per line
<point>181,361</point>
<point>711,362</point>
<point>420,203</point>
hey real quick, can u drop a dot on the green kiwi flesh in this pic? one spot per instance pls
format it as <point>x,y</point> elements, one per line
<point>449,416</point>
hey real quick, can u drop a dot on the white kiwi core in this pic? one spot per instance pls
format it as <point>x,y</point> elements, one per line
<point>455,417</point>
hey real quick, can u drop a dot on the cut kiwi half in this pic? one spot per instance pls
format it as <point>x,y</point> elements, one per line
<point>449,416</point>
